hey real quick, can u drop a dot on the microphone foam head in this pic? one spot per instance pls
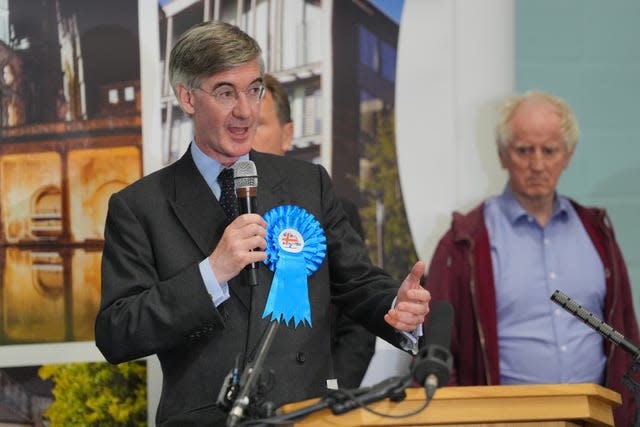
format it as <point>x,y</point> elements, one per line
<point>434,358</point>
<point>245,174</point>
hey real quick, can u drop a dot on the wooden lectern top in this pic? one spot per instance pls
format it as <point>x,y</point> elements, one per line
<point>508,405</point>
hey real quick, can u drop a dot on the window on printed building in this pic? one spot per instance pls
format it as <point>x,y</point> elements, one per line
<point>389,56</point>
<point>368,45</point>
<point>113,96</point>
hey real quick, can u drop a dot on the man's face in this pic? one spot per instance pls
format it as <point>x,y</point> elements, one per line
<point>537,154</point>
<point>224,132</point>
<point>271,136</point>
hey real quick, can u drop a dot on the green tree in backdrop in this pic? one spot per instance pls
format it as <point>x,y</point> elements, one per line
<point>97,394</point>
<point>383,214</point>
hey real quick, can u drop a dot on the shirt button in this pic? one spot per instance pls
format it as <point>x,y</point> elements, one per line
<point>557,312</point>
<point>552,275</point>
<point>563,347</point>
<point>545,241</point>
<point>300,358</point>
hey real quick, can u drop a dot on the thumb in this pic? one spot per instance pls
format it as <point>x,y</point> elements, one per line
<point>415,275</point>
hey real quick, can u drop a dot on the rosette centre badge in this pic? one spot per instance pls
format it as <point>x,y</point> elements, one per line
<point>296,246</point>
<point>291,241</point>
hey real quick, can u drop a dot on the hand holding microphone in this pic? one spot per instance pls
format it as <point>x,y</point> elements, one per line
<point>244,240</point>
<point>245,177</point>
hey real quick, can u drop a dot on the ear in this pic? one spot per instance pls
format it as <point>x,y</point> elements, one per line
<point>185,99</point>
<point>504,159</point>
<point>287,136</point>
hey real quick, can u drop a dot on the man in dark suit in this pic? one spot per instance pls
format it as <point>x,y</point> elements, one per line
<point>352,346</point>
<point>172,256</point>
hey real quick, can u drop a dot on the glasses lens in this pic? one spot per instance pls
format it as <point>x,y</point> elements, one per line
<point>227,97</point>
<point>254,93</point>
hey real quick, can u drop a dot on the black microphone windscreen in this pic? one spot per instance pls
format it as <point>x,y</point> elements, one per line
<point>440,324</point>
<point>245,174</point>
<point>434,357</point>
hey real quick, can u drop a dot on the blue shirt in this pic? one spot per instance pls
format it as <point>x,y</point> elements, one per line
<point>210,169</point>
<point>539,342</point>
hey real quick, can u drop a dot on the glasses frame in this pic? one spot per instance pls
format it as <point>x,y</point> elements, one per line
<point>233,101</point>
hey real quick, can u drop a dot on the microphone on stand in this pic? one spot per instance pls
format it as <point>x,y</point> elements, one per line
<point>434,360</point>
<point>249,379</point>
<point>598,325</point>
<point>245,178</point>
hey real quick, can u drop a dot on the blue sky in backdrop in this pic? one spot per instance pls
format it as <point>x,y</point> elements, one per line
<point>393,8</point>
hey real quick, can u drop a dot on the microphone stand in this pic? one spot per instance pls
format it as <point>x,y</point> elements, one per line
<point>634,387</point>
<point>250,376</point>
<point>342,401</point>
<point>392,388</point>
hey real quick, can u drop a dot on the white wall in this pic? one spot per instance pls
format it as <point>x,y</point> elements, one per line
<point>455,59</point>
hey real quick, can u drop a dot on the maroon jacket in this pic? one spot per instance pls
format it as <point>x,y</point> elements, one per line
<point>461,272</point>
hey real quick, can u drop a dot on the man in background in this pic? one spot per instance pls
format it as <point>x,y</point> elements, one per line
<point>352,346</point>
<point>499,264</point>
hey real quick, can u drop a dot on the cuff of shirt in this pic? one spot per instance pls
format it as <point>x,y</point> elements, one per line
<point>219,291</point>
<point>408,341</point>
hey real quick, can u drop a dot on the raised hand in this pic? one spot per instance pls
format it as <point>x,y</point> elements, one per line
<point>412,302</point>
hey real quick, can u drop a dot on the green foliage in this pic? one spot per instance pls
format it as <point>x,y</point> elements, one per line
<point>383,184</point>
<point>97,394</point>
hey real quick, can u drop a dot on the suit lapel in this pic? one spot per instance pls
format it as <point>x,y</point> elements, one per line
<point>201,215</point>
<point>196,206</point>
<point>272,189</point>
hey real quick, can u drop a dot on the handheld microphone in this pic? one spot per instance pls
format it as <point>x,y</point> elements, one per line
<point>434,360</point>
<point>245,178</point>
<point>598,325</point>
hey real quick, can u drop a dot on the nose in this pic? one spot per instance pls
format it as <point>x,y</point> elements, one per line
<point>537,159</point>
<point>243,106</point>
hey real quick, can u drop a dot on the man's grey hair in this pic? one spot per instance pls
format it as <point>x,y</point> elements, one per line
<point>570,130</point>
<point>209,48</point>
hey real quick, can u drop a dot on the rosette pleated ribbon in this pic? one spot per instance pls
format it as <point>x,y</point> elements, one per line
<point>296,246</point>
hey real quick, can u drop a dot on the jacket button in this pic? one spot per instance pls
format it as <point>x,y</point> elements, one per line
<point>300,358</point>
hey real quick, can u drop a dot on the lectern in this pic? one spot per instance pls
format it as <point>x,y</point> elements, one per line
<point>510,405</point>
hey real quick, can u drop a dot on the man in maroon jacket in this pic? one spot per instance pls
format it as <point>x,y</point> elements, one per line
<point>499,264</point>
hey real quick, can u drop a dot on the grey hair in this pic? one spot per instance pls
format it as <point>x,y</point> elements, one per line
<point>209,48</point>
<point>570,130</point>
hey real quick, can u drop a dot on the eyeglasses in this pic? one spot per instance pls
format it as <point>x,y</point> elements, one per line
<point>227,96</point>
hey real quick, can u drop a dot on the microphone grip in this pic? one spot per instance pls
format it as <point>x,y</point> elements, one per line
<point>247,199</point>
<point>247,204</point>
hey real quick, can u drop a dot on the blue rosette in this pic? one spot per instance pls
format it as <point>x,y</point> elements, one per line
<point>296,246</point>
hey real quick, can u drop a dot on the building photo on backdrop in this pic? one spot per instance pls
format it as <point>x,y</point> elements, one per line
<point>393,97</point>
<point>71,135</point>
<point>70,132</point>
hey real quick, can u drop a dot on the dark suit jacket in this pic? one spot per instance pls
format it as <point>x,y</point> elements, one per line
<point>154,300</point>
<point>352,346</point>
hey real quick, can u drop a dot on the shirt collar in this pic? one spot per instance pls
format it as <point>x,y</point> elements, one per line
<point>514,212</point>
<point>208,167</point>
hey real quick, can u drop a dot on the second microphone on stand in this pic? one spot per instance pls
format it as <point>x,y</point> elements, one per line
<point>432,365</point>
